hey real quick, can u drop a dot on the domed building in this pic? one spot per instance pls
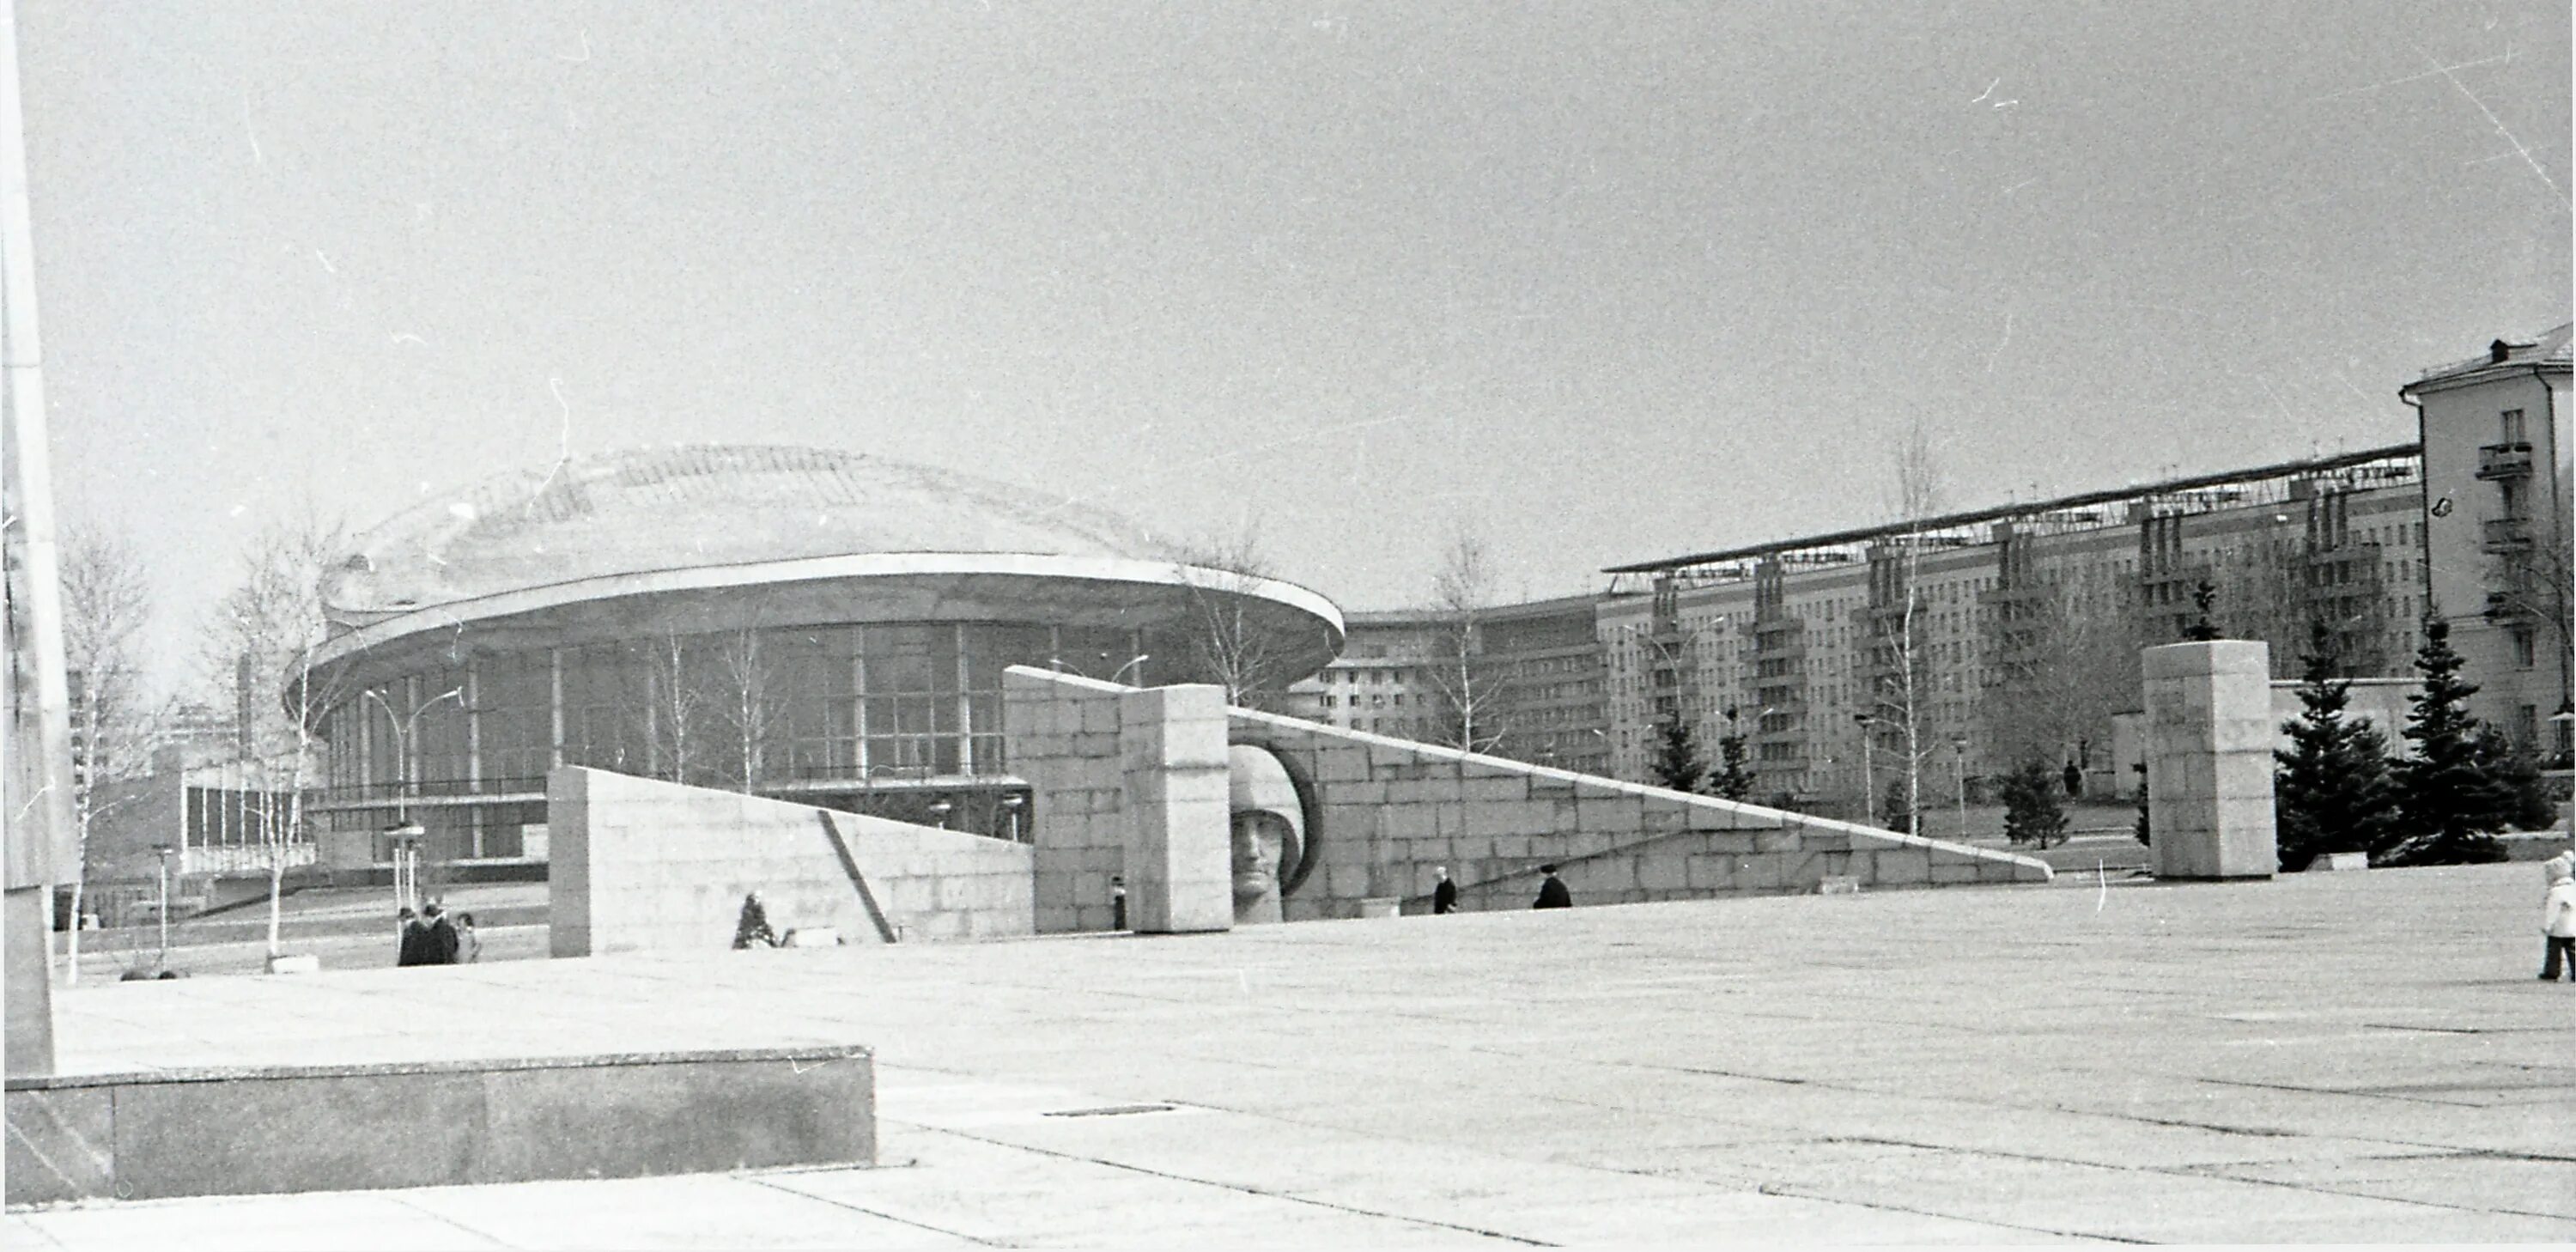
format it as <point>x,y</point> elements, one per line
<point>796,623</point>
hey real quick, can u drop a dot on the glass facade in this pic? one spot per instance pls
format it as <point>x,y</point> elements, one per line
<point>904,720</point>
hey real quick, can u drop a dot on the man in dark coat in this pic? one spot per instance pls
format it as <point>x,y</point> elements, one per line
<point>415,939</point>
<point>1551,891</point>
<point>1444,898</point>
<point>442,943</point>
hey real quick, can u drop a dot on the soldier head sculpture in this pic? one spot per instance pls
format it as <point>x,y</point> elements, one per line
<point>1269,833</point>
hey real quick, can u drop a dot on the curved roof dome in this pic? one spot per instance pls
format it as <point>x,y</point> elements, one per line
<point>662,508</point>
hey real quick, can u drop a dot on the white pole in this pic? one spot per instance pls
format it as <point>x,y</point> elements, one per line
<point>41,841</point>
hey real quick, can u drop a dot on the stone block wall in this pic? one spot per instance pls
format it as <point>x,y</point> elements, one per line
<point>645,865</point>
<point>2210,733</point>
<point>1394,811</point>
<point>1126,782</point>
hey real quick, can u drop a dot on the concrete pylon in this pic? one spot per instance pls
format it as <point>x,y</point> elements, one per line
<point>2209,759</point>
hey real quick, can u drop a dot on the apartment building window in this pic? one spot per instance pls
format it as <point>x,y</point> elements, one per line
<point>2511,422</point>
<point>2522,649</point>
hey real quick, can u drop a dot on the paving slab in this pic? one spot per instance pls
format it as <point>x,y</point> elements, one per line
<point>1987,1065</point>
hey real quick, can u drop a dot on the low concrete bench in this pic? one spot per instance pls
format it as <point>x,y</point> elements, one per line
<point>237,1131</point>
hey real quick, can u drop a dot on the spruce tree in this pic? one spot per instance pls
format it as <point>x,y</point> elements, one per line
<point>2521,793</point>
<point>1731,781</point>
<point>2034,805</point>
<point>1678,764</point>
<point>2447,797</point>
<point>2204,600</point>
<point>2332,788</point>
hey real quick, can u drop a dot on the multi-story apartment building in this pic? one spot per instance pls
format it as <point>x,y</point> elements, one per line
<point>1544,667</point>
<point>2498,464</point>
<point>1533,677</point>
<point>1976,641</point>
<point>1383,681</point>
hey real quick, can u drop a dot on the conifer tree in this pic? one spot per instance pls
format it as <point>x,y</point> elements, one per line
<point>2522,794</point>
<point>2332,788</point>
<point>2034,810</point>
<point>2204,601</point>
<point>1678,763</point>
<point>2448,799</point>
<point>1731,780</point>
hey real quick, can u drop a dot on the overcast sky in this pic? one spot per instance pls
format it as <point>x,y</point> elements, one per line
<point>1607,282</point>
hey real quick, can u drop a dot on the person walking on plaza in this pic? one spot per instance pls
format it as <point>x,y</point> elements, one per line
<point>1444,898</point>
<point>2558,925</point>
<point>469,947</point>
<point>415,939</point>
<point>2557,867</point>
<point>1551,891</point>
<point>442,946</point>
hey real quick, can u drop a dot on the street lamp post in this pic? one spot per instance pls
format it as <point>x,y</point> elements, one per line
<point>1011,804</point>
<point>164,850</point>
<point>407,834</point>
<point>1132,662</point>
<point>1959,756</point>
<point>1868,769</point>
<point>403,728</point>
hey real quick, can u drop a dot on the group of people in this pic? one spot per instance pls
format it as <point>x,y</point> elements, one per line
<point>1552,892</point>
<point>430,938</point>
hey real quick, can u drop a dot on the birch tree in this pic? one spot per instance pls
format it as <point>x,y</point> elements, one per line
<point>255,639</point>
<point>1221,640</point>
<point>1897,703</point>
<point>1469,688</point>
<point>116,721</point>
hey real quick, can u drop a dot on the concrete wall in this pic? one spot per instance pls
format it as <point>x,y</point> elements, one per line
<point>644,865</point>
<point>348,1127</point>
<point>1390,811</point>
<point>1126,783</point>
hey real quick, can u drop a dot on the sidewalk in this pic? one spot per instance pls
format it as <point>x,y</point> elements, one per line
<point>2327,1057</point>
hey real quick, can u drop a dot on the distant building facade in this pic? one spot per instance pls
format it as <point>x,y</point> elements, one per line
<point>1533,674</point>
<point>2498,464</point>
<point>2006,634</point>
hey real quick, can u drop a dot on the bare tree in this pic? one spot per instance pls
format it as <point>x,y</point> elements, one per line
<point>1470,688</point>
<point>1899,647</point>
<point>255,640</point>
<point>116,721</point>
<point>2535,589</point>
<point>1222,641</point>
<point>750,701</point>
<point>676,703</point>
<point>2066,663</point>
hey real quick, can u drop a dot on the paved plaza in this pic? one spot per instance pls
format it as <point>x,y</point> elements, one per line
<point>2360,1056</point>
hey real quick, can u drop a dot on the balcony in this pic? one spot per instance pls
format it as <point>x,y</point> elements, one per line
<point>2504,535</point>
<point>2504,460</point>
<point>2506,606</point>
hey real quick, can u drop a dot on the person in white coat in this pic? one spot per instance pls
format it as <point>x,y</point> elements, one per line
<point>2558,923</point>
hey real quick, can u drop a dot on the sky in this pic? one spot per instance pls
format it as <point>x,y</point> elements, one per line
<point>1598,283</point>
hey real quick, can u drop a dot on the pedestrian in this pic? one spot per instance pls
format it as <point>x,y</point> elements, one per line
<point>2074,779</point>
<point>751,928</point>
<point>2557,867</point>
<point>415,939</point>
<point>2558,925</point>
<point>1444,898</point>
<point>1551,891</point>
<point>469,946</point>
<point>442,945</point>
